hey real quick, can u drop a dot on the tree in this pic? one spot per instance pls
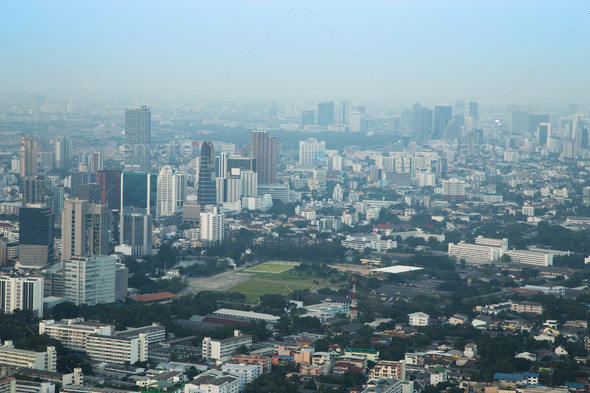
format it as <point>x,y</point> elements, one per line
<point>505,258</point>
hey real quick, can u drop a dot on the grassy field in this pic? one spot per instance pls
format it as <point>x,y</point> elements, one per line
<point>279,283</point>
<point>272,267</point>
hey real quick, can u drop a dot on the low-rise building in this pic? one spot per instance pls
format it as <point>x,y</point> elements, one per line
<point>389,369</point>
<point>73,333</point>
<point>118,350</point>
<point>213,381</point>
<point>418,319</point>
<point>11,356</point>
<point>224,349</point>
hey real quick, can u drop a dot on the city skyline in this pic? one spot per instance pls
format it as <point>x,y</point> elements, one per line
<point>279,51</point>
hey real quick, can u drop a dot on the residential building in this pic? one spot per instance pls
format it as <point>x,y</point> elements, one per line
<point>73,333</point>
<point>117,349</point>
<point>389,369</point>
<point>213,381</point>
<point>90,280</point>
<point>10,356</point>
<point>418,319</point>
<point>265,149</point>
<point>214,349</point>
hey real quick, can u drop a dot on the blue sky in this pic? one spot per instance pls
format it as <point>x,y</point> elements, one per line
<point>428,51</point>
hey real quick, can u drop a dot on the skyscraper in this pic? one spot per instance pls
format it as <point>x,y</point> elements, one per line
<point>207,192</point>
<point>28,156</point>
<point>137,138</point>
<point>442,116</point>
<point>212,225</point>
<point>35,189</point>
<point>326,113</point>
<point>36,236</point>
<point>265,149</point>
<point>171,190</point>
<point>84,229</point>
<point>474,112</point>
<point>422,122</point>
<point>307,117</point>
<point>110,188</point>
<point>63,152</point>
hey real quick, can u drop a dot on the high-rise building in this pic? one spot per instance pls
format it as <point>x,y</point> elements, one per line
<point>171,190</point>
<point>474,112</point>
<point>137,138</point>
<point>206,191</point>
<point>90,192</point>
<point>453,190</point>
<point>136,234</point>
<point>110,188</point>
<point>35,189</point>
<point>326,113</point>
<point>355,121</point>
<point>519,121</point>
<point>64,146</point>
<point>22,293</point>
<point>307,118</point>
<point>139,192</point>
<point>543,133</point>
<point>312,152</point>
<point>265,149</point>
<point>241,163</point>
<point>212,225</point>
<point>90,280</point>
<point>442,116</point>
<point>422,122</point>
<point>84,229</point>
<point>28,156</point>
<point>36,236</point>
<point>536,120</point>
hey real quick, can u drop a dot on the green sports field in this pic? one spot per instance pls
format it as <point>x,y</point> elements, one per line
<point>289,280</point>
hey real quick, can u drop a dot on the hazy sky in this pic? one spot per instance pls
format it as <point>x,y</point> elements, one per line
<point>431,51</point>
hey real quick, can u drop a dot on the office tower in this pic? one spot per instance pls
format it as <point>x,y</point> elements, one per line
<point>84,229</point>
<point>543,133</point>
<point>354,121</point>
<point>19,292</point>
<point>519,121</point>
<point>343,113</point>
<point>93,161</point>
<point>326,113</point>
<point>137,138</point>
<point>206,192</point>
<point>35,236</point>
<point>577,133</point>
<point>89,192</point>
<point>89,280</point>
<point>35,189</point>
<point>121,281</point>
<point>459,107</point>
<point>453,129</point>
<point>57,201</point>
<point>442,116</point>
<point>265,149</point>
<point>77,179</point>
<point>136,234</point>
<point>221,164</point>
<point>249,183</point>
<point>241,163</point>
<point>307,118</point>
<point>422,123</point>
<point>28,156</point>
<point>139,193</point>
<point>180,181</point>
<point>212,225</point>
<point>312,152</point>
<point>64,147</point>
<point>474,112</point>
<point>110,188</point>
<point>535,121</point>
<point>229,189</point>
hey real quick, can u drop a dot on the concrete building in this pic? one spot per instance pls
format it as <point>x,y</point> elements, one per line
<point>90,280</point>
<point>10,356</point>
<point>418,319</point>
<point>212,225</point>
<point>85,229</point>
<point>154,333</point>
<point>73,333</point>
<point>312,152</point>
<point>116,349</point>
<point>224,349</point>
<point>21,292</point>
<point>213,381</point>
<point>474,254</point>
<point>389,369</point>
<point>246,373</point>
<point>529,257</point>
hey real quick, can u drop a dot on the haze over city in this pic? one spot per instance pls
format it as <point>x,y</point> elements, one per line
<point>292,197</point>
<point>422,51</point>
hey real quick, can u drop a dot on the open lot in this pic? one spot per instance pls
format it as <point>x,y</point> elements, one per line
<point>272,267</point>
